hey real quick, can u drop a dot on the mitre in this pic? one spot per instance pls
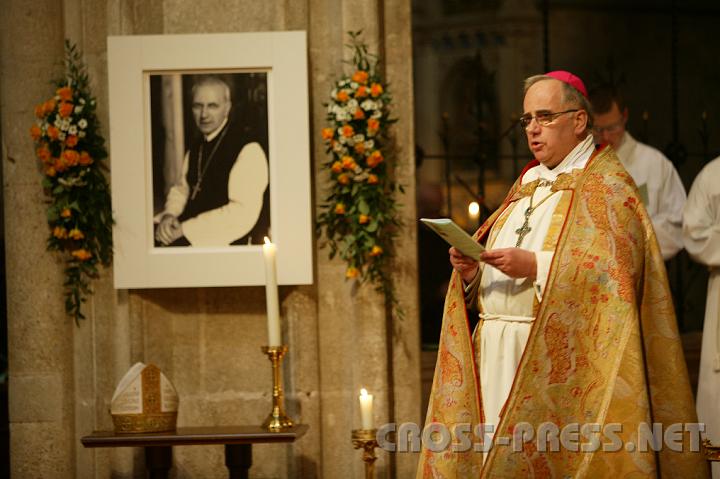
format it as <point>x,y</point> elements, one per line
<point>144,401</point>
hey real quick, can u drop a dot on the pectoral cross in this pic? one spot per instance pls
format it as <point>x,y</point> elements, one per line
<point>525,228</point>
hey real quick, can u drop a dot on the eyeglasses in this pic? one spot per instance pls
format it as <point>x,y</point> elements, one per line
<point>543,118</point>
<point>612,128</point>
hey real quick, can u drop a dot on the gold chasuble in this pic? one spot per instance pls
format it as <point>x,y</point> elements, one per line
<point>603,354</point>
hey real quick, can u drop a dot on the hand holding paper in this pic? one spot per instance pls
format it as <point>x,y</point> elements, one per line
<point>456,236</point>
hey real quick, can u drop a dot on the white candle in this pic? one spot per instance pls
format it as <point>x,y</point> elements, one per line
<point>366,409</point>
<point>271,294</point>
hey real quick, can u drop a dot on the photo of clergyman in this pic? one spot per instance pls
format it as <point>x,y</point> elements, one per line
<point>210,159</point>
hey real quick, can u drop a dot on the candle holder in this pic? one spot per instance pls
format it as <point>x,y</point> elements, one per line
<point>365,439</point>
<point>277,420</point>
<point>712,453</point>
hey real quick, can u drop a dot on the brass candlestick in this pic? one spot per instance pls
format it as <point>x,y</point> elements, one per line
<point>277,420</point>
<point>365,439</point>
<point>712,453</point>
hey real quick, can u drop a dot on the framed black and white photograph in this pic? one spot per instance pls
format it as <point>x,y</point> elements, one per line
<point>209,155</point>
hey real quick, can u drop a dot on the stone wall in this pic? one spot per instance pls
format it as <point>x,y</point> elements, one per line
<point>206,340</point>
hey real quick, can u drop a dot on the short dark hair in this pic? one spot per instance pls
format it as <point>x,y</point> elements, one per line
<point>602,98</point>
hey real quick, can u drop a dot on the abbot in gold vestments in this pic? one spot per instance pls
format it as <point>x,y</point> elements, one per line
<point>604,348</point>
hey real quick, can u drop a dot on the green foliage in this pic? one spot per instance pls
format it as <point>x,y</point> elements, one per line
<point>72,153</point>
<point>359,216</point>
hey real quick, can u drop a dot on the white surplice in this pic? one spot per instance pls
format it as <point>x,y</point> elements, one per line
<point>505,303</point>
<point>654,173</point>
<point>701,235</point>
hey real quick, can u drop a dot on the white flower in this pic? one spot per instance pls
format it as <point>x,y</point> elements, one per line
<point>344,82</point>
<point>337,147</point>
<point>78,109</point>
<point>352,104</point>
<point>361,177</point>
<point>342,115</point>
<point>359,138</point>
<point>368,105</point>
<point>81,134</point>
<point>57,122</point>
<point>82,123</point>
<point>376,114</point>
<point>82,101</point>
<point>353,85</point>
<point>369,144</point>
<point>72,130</point>
<point>61,136</point>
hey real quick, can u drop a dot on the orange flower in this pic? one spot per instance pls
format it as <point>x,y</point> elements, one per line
<point>85,158</point>
<point>59,232</point>
<point>66,213</point>
<point>359,114</point>
<point>360,76</point>
<point>344,179</point>
<point>339,209</point>
<point>343,96</point>
<point>347,131</point>
<point>71,140</point>
<point>65,93</point>
<point>35,132</point>
<point>361,92</point>
<point>372,179</point>
<point>53,132</point>
<point>348,163</point>
<point>352,272</point>
<point>40,110</point>
<point>373,124</point>
<point>376,251</point>
<point>49,106</point>
<point>76,234</point>
<point>65,109</point>
<point>359,148</point>
<point>376,90</point>
<point>328,133</point>
<point>43,153</point>
<point>336,167</point>
<point>82,254</point>
<point>375,159</point>
<point>71,157</point>
<point>50,171</point>
<point>363,219</point>
<point>60,164</point>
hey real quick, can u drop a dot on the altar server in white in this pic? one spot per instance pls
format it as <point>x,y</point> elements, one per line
<point>701,235</point>
<point>661,189</point>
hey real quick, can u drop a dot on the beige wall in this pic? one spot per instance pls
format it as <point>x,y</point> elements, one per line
<point>206,340</point>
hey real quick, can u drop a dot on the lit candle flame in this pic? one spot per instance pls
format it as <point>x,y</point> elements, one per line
<point>363,392</point>
<point>267,240</point>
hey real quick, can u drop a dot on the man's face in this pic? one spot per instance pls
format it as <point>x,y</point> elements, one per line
<point>610,127</point>
<point>210,107</point>
<point>551,143</point>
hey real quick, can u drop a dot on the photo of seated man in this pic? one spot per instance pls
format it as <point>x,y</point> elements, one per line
<point>220,196</point>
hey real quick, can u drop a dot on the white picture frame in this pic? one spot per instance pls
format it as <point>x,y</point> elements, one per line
<point>138,261</point>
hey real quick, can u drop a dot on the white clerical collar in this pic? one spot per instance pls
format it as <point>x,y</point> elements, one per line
<point>576,159</point>
<point>216,132</point>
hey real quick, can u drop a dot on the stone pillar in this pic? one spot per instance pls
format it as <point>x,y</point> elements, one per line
<point>39,334</point>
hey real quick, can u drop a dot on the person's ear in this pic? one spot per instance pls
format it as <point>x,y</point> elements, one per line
<point>581,121</point>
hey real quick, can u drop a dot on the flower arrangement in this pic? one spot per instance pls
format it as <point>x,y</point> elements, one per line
<point>70,148</point>
<point>359,215</point>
